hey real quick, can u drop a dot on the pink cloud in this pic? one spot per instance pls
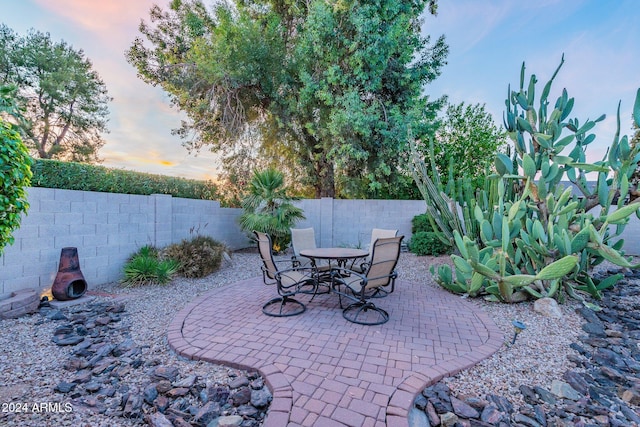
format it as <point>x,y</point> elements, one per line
<point>100,16</point>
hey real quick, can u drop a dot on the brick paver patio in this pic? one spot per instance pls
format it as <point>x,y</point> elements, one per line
<point>325,371</point>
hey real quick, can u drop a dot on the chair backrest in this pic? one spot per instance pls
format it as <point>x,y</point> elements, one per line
<point>384,258</point>
<point>379,233</point>
<point>264,247</point>
<point>301,239</point>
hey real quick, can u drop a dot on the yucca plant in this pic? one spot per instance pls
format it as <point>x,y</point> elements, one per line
<point>145,268</point>
<point>269,209</point>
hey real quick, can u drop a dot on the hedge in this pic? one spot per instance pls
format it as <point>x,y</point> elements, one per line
<point>86,177</point>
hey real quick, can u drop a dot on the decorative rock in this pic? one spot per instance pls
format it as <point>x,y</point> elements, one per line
<point>70,339</point>
<point>448,419</point>
<point>83,376</point>
<point>462,409</point>
<point>132,407</point>
<point>218,394</point>
<point>577,381</point>
<point>105,355</point>
<point>595,329</point>
<point>187,382</point>
<point>434,419</point>
<point>248,411</point>
<point>208,413</point>
<point>241,396</point>
<point>165,373</point>
<point>230,421</point>
<point>564,390</point>
<point>631,396</point>
<point>547,307</point>
<point>158,419</point>
<point>545,395</point>
<point>261,398</point>
<point>526,421</point>
<point>491,414</point>
<point>150,393</point>
<point>65,387</point>
<point>92,386</point>
<point>239,382</point>
<point>178,392</point>
<point>162,403</point>
<point>164,386</point>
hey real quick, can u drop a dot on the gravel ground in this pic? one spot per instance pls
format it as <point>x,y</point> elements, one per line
<point>31,365</point>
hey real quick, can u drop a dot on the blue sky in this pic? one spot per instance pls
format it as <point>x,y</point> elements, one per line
<point>488,41</point>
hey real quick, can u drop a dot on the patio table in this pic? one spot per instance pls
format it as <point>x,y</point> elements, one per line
<point>341,255</point>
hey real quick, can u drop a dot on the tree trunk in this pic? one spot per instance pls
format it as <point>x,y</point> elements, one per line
<point>325,182</point>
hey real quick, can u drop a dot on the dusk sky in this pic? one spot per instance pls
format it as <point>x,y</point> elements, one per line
<point>488,41</point>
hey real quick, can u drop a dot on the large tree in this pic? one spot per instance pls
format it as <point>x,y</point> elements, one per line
<point>63,101</point>
<point>332,87</point>
<point>468,139</point>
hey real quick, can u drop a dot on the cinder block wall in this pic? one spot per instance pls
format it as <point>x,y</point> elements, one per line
<point>349,222</point>
<point>106,228</point>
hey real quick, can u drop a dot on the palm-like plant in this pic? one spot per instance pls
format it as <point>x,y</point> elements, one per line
<point>268,208</point>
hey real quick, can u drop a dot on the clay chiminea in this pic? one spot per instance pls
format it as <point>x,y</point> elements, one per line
<point>69,282</point>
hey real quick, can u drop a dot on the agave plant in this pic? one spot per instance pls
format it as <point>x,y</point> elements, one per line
<point>269,209</point>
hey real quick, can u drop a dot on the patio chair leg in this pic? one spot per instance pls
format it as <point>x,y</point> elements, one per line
<point>295,307</point>
<point>359,312</point>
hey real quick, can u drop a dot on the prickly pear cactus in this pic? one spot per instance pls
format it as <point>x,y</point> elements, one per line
<point>538,238</point>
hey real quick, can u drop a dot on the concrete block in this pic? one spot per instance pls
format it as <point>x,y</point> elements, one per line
<point>96,239</point>
<point>95,218</point>
<point>106,229</point>
<point>104,206</point>
<point>83,229</point>
<point>68,195</point>
<point>20,283</point>
<point>72,302</point>
<point>11,271</point>
<point>28,229</point>
<point>18,257</point>
<point>35,243</point>
<point>47,230</point>
<point>117,218</point>
<point>129,208</point>
<point>84,207</point>
<point>74,241</point>
<point>55,206</point>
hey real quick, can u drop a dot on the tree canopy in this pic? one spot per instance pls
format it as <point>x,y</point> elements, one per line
<point>469,139</point>
<point>63,103</point>
<point>330,87</point>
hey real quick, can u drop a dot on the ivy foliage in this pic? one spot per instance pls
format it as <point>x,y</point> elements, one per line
<point>15,172</point>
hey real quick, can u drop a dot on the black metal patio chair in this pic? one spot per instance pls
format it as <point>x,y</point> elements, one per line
<point>361,287</point>
<point>288,281</point>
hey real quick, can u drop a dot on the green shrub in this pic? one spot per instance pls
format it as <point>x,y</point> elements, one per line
<point>427,243</point>
<point>421,223</point>
<point>15,173</point>
<point>82,176</point>
<point>145,268</point>
<point>197,257</point>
